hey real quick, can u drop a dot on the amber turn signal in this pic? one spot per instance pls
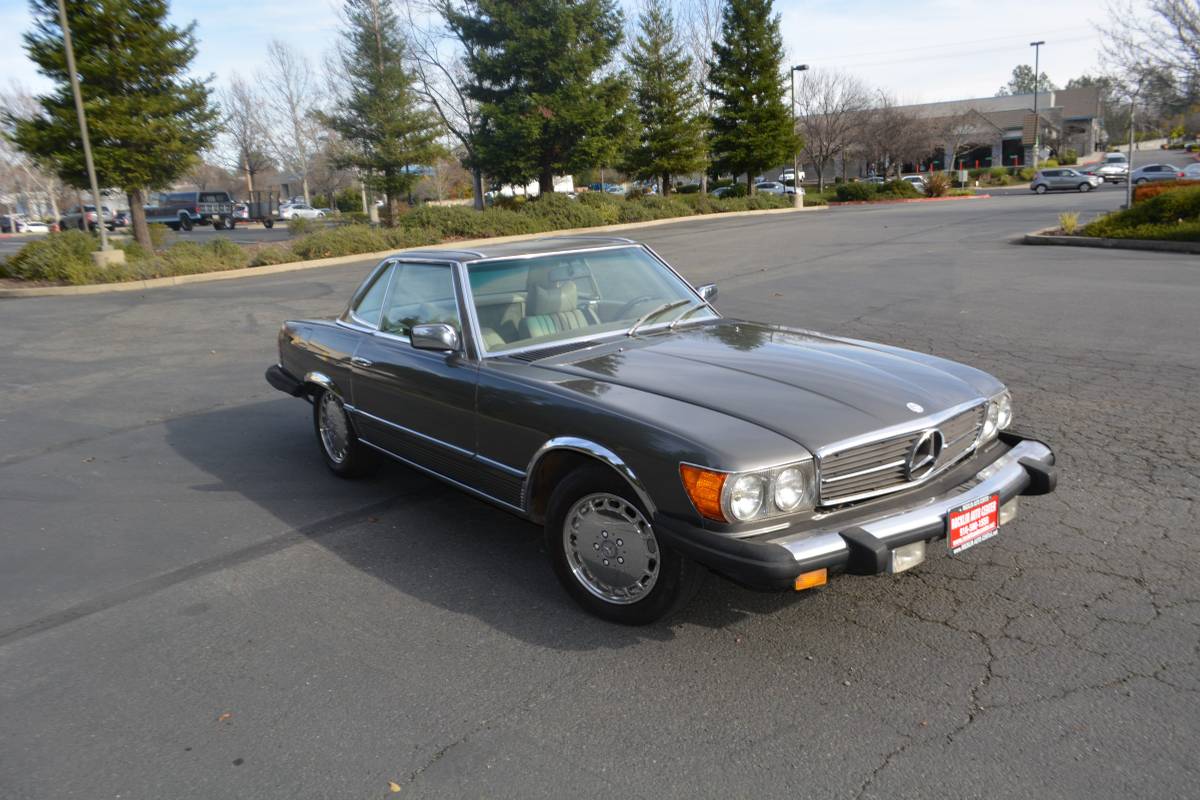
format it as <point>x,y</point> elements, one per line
<point>811,580</point>
<point>704,488</point>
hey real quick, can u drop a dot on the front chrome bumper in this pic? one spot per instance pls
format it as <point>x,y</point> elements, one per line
<point>864,546</point>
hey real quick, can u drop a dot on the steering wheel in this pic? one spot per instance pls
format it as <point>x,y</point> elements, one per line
<point>625,309</point>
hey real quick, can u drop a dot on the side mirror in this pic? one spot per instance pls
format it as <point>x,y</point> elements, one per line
<point>435,336</point>
<point>707,292</point>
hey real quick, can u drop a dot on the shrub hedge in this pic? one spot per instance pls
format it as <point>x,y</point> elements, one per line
<point>1171,215</point>
<point>1148,190</point>
<point>854,192</point>
<point>66,257</point>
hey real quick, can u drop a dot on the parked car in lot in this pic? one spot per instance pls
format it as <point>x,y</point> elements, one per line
<point>13,223</point>
<point>788,174</point>
<point>583,384</point>
<point>36,226</point>
<point>185,210</point>
<point>1055,179</point>
<point>874,179</point>
<point>1112,171</point>
<point>1155,172</point>
<point>299,211</point>
<point>122,219</point>
<point>771,187</point>
<point>1115,158</point>
<point>85,218</point>
<point>1191,172</point>
<point>916,180</point>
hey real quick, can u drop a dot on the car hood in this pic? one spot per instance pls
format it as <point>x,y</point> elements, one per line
<point>814,389</point>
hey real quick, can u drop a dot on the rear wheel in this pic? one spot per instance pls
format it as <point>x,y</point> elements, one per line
<point>344,454</point>
<point>268,223</point>
<point>606,555</point>
<point>1040,188</point>
<point>185,223</point>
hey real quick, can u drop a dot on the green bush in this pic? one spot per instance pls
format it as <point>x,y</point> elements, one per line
<point>855,192</point>
<point>896,189</point>
<point>341,241</point>
<point>58,257</point>
<point>299,226</point>
<point>463,222</point>
<point>606,205</point>
<point>401,238</point>
<point>354,218</point>
<point>1170,215</point>
<point>272,254</point>
<point>1068,157</point>
<point>815,199</point>
<point>559,212</point>
<point>688,188</point>
<point>158,234</point>
<point>1049,163</point>
<point>736,190</point>
<point>1026,174</point>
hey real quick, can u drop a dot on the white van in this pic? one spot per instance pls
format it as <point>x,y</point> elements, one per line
<point>1115,158</point>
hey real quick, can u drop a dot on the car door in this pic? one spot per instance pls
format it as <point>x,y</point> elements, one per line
<point>418,404</point>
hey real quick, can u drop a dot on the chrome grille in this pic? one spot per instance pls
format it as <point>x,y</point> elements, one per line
<point>879,467</point>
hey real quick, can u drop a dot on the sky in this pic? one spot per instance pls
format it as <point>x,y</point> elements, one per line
<point>918,50</point>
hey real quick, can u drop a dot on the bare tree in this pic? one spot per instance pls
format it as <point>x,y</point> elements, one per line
<point>702,26</point>
<point>23,174</point>
<point>293,132</point>
<point>891,135</point>
<point>957,134</point>
<point>438,59</point>
<point>829,105</point>
<point>1166,39</point>
<point>245,137</point>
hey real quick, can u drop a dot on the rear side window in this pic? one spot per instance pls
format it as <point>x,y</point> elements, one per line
<point>179,197</point>
<point>214,197</point>
<point>367,309</point>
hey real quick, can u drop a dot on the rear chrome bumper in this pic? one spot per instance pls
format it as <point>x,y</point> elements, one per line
<point>862,543</point>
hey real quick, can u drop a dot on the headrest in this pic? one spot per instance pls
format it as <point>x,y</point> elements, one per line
<point>553,299</point>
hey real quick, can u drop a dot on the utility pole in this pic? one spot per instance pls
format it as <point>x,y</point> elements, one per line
<point>106,255</point>
<point>1037,123</point>
<point>1132,128</point>
<point>797,197</point>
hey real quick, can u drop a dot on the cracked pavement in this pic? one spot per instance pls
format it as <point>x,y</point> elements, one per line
<point>190,606</point>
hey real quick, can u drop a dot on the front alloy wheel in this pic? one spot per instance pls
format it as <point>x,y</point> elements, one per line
<point>605,553</point>
<point>1085,187</point>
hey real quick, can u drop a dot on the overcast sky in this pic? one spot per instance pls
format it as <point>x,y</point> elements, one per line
<point>920,50</point>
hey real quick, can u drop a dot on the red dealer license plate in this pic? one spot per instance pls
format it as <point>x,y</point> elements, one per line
<point>972,523</point>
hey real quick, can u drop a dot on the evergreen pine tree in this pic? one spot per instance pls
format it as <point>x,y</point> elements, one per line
<point>751,126</point>
<point>147,120</point>
<point>537,71</point>
<point>669,137</point>
<point>385,130</point>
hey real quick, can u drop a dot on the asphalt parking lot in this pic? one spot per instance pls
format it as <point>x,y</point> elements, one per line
<point>191,606</point>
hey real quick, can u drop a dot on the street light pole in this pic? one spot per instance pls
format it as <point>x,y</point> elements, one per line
<point>797,197</point>
<point>83,129</point>
<point>1129,161</point>
<point>1037,123</point>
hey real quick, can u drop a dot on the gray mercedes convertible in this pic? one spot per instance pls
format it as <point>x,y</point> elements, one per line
<point>583,384</point>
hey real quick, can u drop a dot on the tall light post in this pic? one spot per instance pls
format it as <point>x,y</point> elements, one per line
<point>1129,169</point>
<point>797,197</point>
<point>1037,123</point>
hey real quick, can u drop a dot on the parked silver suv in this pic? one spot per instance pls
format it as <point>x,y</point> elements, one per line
<point>1063,178</point>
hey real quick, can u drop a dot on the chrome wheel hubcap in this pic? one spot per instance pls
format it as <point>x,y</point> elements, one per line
<point>611,548</point>
<point>335,429</point>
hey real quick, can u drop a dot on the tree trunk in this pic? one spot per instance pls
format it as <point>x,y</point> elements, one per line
<point>304,184</point>
<point>749,184</point>
<point>666,184</point>
<point>546,181</point>
<point>477,187</point>
<point>137,216</point>
<point>704,182</point>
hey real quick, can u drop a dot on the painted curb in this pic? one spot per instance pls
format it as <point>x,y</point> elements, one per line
<point>295,266</point>
<point>907,200</point>
<point>1146,245</point>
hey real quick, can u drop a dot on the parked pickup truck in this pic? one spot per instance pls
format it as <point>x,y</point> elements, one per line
<point>183,210</point>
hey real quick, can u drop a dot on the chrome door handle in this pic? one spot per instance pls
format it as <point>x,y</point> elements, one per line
<point>361,362</point>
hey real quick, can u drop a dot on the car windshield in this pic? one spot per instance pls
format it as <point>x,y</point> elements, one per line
<point>527,302</point>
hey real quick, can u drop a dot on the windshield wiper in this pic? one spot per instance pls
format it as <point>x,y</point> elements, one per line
<point>654,312</point>
<point>686,314</point>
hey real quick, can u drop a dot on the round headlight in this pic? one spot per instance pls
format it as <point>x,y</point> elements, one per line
<point>989,422</point>
<point>789,489</point>
<point>746,497</point>
<point>1004,412</point>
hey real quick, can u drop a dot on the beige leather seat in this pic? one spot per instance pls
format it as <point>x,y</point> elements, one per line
<point>552,309</point>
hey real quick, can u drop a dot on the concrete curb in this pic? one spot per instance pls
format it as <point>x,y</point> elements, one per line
<point>295,266</point>
<point>1043,237</point>
<point>907,200</point>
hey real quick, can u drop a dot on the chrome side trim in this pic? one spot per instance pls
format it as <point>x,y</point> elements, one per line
<point>324,381</point>
<point>517,473</point>
<point>457,484</point>
<point>564,251</point>
<point>996,478</point>
<point>590,448</point>
<point>409,431</point>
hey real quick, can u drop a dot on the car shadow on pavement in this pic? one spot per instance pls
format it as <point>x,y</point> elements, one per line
<point>428,540</point>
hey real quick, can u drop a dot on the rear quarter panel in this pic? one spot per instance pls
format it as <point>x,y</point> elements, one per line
<point>307,346</point>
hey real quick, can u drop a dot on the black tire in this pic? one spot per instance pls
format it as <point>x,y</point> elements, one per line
<point>676,578</point>
<point>1139,181</point>
<point>356,460</point>
<point>185,223</point>
<point>173,226</point>
<point>1040,188</point>
<point>268,223</point>
<point>1085,187</point>
<point>230,223</point>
